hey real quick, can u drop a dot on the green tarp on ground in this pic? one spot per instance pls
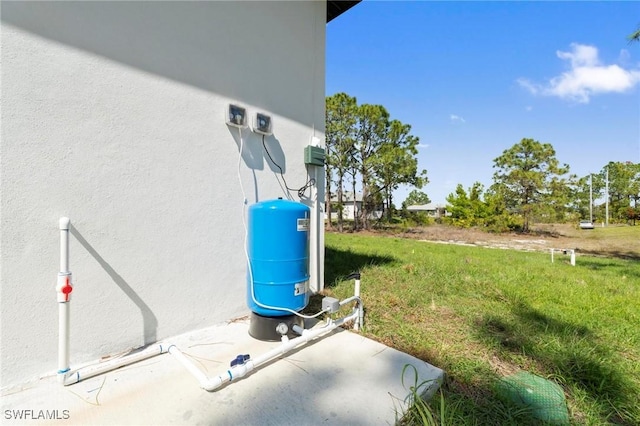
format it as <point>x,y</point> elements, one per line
<point>543,397</point>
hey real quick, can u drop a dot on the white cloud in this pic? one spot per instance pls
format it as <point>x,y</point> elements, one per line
<point>624,57</point>
<point>586,77</point>
<point>528,108</point>
<point>423,145</point>
<point>456,119</point>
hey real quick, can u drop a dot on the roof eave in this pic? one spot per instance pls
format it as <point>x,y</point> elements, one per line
<point>336,8</point>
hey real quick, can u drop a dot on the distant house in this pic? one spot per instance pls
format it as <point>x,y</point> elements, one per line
<point>349,208</point>
<point>432,209</point>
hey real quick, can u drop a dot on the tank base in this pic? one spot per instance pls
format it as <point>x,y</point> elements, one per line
<point>271,329</point>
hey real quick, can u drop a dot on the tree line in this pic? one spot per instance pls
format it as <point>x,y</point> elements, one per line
<point>530,185</point>
<point>369,151</point>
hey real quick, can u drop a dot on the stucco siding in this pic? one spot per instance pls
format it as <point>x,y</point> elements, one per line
<point>113,115</point>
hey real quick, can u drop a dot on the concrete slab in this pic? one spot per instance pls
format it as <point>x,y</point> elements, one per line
<point>342,378</point>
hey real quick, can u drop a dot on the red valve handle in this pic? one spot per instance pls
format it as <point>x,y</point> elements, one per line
<point>66,289</point>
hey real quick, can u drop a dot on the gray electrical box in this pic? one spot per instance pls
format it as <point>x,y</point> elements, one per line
<point>314,155</point>
<point>330,304</point>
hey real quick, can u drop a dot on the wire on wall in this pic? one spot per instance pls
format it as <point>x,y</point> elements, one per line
<point>301,191</point>
<point>246,238</point>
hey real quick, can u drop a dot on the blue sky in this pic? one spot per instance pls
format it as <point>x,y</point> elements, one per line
<point>474,78</point>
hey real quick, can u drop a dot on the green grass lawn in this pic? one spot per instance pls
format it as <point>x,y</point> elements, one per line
<point>481,314</point>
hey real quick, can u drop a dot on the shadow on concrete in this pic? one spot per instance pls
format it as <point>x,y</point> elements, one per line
<point>150,322</point>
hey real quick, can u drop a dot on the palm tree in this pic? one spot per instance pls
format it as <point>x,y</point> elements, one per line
<point>634,36</point>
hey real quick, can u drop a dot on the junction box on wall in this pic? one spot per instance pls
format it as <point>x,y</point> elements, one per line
<point>314,155</point>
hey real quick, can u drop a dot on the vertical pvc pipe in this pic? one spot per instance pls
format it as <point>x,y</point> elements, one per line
<point>358,323</point>
<point>551,255</point>
<point>64,244</point>
<point>63,290</point>
<point>63,340</point>
<point>573,258</point>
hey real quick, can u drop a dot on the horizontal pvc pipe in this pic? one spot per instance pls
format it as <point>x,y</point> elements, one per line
<point>206,383</point>
<point>104,367</point>
<point>238,371</point>
<point>307,336</point>
<point>349,300</point>
<point>356,298</point>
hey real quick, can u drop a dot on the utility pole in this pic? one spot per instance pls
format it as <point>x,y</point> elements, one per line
<point>606,191</point>
<point>591,197</point>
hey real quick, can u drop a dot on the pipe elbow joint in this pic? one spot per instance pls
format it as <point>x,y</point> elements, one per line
<point>69,378</point>
<point>212,384</point>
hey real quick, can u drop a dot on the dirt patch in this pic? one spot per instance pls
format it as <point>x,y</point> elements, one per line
<point>542,238</point>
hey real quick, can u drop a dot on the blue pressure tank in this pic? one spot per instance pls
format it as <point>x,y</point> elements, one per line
<point>278,249</point>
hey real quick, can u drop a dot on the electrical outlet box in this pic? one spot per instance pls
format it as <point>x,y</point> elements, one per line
<point>314,155</point>
<point>262,124</point>
<point>236,116</point>
<point>330,304</point>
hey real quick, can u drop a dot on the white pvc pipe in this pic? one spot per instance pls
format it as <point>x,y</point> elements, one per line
<point>206,383</point>
<point>64,244</point>
<point>349,300</point>
<point>358,324</point>
<point>104,367</point>
<point>63,290</point>
<point>63,340</point>
<point>67,377</point>
<point>571,252</point>
<point>238,371</point>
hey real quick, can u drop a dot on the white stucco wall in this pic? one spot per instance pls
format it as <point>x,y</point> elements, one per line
<point>112,115</point>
